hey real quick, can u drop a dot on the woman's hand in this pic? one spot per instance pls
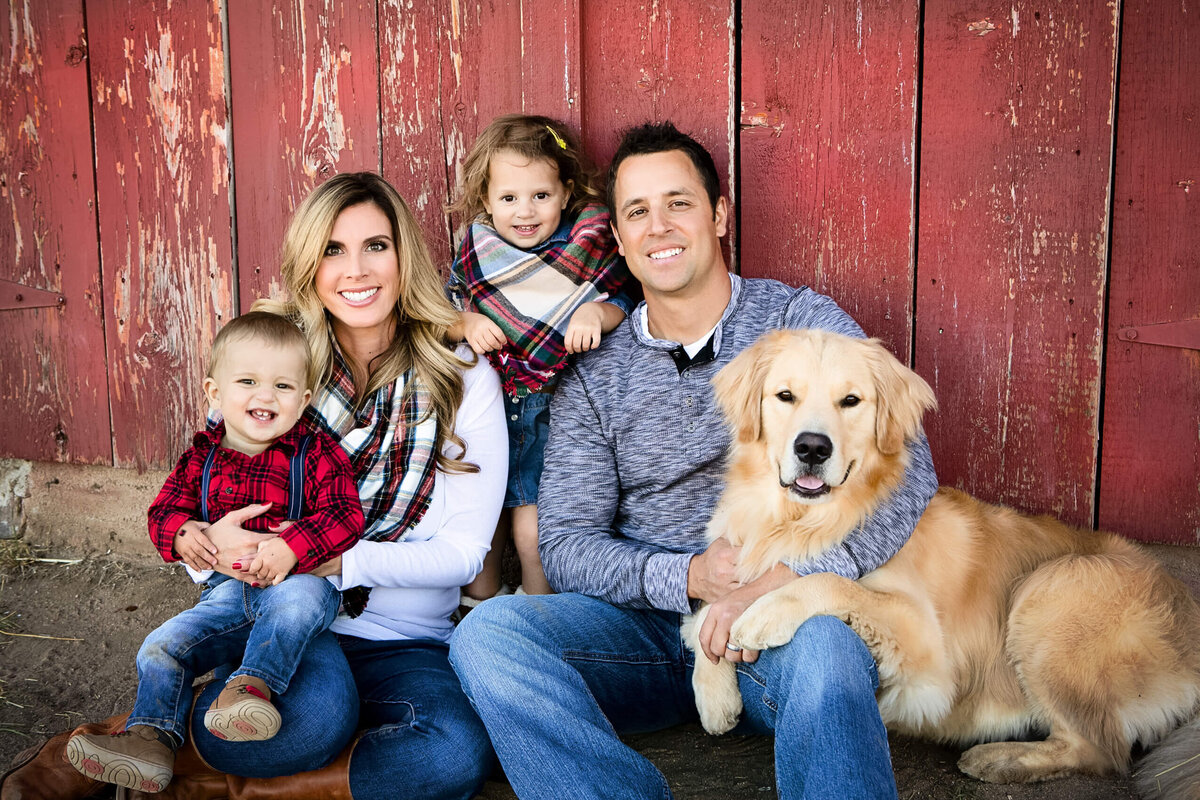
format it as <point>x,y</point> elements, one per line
<point>234,544</point>
<point>331,567</point>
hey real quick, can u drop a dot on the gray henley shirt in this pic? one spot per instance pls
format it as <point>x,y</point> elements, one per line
<point>635,462</point>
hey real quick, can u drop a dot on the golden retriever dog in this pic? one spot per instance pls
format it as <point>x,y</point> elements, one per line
<point>989,627</point>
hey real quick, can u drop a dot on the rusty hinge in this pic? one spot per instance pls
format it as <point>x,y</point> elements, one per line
<point>1185,334</point>
<point>15,295</point>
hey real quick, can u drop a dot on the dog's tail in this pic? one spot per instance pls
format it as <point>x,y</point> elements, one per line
<point>1171,771</point>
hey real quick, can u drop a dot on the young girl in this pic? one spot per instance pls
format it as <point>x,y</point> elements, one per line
<point>537,278</point>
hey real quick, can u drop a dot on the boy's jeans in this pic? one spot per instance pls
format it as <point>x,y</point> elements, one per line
<point>265,629</point>
<point>556,678</point>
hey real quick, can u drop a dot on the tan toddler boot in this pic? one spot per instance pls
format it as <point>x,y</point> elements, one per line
<point>243,711</point>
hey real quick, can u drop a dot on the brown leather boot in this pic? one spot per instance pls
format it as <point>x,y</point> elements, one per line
<point>43,773</point>
<point>329,783</point>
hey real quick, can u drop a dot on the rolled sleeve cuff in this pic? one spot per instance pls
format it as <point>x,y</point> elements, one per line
<point>306,553</point>
<point>665,582</point>
<point>349,577</point>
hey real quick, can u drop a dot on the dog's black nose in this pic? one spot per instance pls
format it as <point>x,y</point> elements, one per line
<point>813,448</point>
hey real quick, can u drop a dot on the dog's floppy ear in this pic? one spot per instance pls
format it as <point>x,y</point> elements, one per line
<point>902,398</point>
<point>738,387</point>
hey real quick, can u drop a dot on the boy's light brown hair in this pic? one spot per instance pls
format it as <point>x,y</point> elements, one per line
<point>270,329</point>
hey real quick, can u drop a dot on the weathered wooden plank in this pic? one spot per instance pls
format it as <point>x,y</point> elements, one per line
<point>473,62</point>
<point>305,97</point>
<point>659,60</point>
<point>162,180</point>
<point>1015,149</point>
<point>52,377</point>
<point>1151,451</point>
<point>828,131</point>
<point>413,59</point>
<point>509,58</point>
<point>552,44</point>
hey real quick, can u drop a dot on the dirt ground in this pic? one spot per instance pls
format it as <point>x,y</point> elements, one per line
<point>69,633</point>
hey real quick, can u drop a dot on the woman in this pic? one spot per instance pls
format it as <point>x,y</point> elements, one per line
<point>425,431</point>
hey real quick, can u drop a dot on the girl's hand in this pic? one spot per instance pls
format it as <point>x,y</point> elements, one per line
<point>584,330</point>
<point>233,542</point>
<point>481,333</point>
<point>193,547</point>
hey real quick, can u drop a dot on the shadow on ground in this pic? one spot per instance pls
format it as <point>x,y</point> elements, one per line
<point>69,633</point>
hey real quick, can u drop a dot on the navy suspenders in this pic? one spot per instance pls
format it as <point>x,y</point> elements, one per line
<point>295,480</point>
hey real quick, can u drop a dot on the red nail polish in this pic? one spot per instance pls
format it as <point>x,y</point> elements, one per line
<point>237,565</point>
<point>255,585</point>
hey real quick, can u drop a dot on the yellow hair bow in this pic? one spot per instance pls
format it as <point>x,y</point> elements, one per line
<point>561,142</point>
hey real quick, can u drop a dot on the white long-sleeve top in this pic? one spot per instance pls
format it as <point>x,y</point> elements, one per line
<point>415,582</point>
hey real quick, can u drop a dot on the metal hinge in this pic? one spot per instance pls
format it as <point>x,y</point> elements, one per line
<point>15,295</point>
<point>1185,334</point>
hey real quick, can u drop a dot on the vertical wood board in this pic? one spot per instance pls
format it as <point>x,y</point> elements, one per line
<point>508,58</point>
<point>53,385</point>
<point>1150,470</point>
<point>305,96</point>
<point>1015,148</point>
<point>659,61</point>
<point>827,140</point>
<point>165,239</point>
<point>413,59</point>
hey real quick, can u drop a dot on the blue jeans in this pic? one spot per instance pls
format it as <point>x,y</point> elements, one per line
<point>419,737</point>
<point>556,679</point>
<point>266,629</point>
<point>527,437</point>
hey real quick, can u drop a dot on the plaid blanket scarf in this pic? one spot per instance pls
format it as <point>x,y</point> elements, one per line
<point>531,294</point>
<point>391,447</point>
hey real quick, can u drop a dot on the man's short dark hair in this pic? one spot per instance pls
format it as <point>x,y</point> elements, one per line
<point>663,137</point>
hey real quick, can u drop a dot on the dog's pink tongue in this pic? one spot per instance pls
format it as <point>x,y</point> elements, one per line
<point>809,482</point>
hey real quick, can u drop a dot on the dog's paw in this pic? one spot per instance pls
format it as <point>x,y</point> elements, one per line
<point>765,624</point>
<point>719,709</point>
<point>1012,762</point>
<point>718,698</point>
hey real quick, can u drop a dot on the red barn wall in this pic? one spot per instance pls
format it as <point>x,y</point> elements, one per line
<point>1000,192</point>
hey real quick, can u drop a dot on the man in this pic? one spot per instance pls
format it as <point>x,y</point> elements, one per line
<point>633,472</point>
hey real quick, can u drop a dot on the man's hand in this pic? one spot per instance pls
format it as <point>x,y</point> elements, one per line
<point>711,573</point>
<point>273,562</point>
<point>481,333</point>
<point>193,547</point>
<point>722,613</point>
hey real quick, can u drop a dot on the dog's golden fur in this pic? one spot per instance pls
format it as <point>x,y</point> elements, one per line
<point>988,625</point>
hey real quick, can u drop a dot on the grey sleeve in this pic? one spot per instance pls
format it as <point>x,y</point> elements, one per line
<point>882,534</point>
<point>577,504</point>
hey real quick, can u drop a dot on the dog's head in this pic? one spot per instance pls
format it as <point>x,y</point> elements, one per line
<point>823,406</point>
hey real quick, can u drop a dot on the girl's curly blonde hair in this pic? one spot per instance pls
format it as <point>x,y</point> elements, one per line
<point>532,137</point>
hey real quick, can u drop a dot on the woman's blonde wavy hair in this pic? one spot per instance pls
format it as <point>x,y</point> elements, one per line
<point>422,312</point>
